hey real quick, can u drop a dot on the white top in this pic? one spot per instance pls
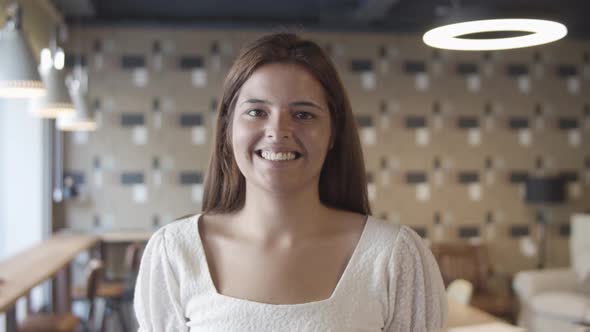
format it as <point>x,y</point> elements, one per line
<point>391,283</point>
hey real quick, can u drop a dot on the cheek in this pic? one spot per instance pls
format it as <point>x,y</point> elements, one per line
<point>319,140</point>
<point>237,144</point>
<point>241,139</point>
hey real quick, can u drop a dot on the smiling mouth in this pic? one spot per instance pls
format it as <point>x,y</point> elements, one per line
<point>297,156</point>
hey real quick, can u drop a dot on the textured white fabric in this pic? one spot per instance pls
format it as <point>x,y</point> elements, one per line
<point>391,283</point>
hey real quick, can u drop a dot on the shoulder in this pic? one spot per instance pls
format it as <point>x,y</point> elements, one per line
<point>178,233</point>
<point>398,241</point>
<point>188,222</point>
<point>414,284</point>
<point>174,247</point>
<point>383,232</point>
<point>397,232</point>
<point>411,254</point>
<point>385,227</point>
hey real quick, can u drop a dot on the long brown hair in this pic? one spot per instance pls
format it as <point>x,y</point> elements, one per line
<point>342,182</point>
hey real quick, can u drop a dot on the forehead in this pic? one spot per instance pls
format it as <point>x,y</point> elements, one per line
<point>279,82</point>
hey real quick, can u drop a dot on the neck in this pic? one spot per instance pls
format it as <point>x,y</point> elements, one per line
<point>281,218</point>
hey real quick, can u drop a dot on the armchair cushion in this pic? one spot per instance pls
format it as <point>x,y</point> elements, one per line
<point>572,307</point>
<point>533,282</point>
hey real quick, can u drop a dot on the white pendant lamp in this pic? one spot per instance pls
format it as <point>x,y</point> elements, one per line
<point>57,100</point>
<point>81,119</point>
<point>18,75</point>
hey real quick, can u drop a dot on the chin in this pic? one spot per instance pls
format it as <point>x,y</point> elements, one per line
<point>286,185</point>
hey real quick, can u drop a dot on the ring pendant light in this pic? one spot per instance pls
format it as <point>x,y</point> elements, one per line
<point>541,32</point>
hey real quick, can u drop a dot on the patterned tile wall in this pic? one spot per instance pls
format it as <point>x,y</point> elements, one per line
<point>448,136</point>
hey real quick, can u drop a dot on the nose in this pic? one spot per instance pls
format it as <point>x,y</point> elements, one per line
<point>279,127</point>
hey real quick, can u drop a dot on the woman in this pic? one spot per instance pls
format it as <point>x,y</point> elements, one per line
<point>286,241</point>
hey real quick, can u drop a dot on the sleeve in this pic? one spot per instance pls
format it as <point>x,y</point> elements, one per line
<point>157,292</point>
<point>417,297</point>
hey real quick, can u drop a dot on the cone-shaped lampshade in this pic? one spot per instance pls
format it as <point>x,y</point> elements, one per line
<point>57,100</point>
<point>18,70</point>
<point>81,119</point>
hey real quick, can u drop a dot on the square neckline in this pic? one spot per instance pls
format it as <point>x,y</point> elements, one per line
<point>204,263</point>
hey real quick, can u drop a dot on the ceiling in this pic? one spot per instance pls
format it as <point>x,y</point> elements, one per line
<point>335,15</point>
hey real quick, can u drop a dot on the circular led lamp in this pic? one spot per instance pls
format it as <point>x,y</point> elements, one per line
<point>541,32</point>
<point>18,74</point>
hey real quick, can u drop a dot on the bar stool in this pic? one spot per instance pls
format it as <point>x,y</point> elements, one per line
<point>88,292</point>
<point>51,322</point>
<point>116,293</point>
<point>119,293</point>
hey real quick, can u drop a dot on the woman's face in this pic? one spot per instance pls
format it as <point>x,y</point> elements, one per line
<point>281,128</point>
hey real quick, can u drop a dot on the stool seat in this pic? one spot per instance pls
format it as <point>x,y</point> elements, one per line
<point>106,290</point>
<point>110,290</point>
<point>42,322</point>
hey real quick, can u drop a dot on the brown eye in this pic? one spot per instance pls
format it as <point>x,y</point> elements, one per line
<point>304,116</point>
<point>255,112</point>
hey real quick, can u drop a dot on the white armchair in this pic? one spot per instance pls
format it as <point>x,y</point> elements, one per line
<point>558,299</point>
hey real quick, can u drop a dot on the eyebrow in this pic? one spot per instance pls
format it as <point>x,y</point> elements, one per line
<point>295,103</point>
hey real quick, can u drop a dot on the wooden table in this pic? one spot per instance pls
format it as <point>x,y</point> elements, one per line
<point>465,315</point>
<point>25,270</point>
<point>125,236</point>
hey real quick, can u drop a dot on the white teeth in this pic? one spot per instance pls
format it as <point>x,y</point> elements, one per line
<point>278,156</point>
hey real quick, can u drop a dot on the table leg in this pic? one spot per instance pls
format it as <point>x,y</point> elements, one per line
<point>103,251</point>
<point>30,302</point>
<point>62,299</point>
<point>54,294</point>
<point>11,319</point>
<point>98,251</point>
